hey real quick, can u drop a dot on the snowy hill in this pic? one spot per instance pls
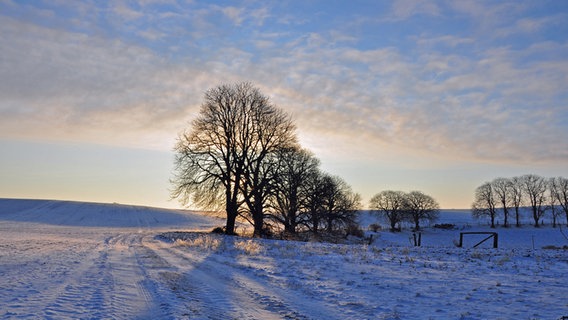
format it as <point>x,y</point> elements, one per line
<point>85,214</point>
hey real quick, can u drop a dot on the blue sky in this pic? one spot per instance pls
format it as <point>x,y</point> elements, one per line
<point>438,96</point>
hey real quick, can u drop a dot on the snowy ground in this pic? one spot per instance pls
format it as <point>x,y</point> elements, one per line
<point>80,261</point>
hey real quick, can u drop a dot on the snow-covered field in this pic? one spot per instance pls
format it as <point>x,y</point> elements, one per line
<point>69,260</point>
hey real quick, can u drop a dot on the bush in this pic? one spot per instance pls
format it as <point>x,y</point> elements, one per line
<point>354,230</point>
<point>375,227</point>
<point>445,226</point>
<point>218,230</point>
<point>552,247</point>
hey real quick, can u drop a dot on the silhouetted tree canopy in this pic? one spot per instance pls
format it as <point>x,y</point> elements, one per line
<point>241,154</point>
<point>223,159</point>
<point>391,206</point>
<point>485,203</point>
<point>420,206</point>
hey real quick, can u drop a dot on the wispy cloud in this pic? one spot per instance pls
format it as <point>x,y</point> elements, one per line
<point>404,9</point>
<point>459,94</point>
<point>69,86</point>
<point>530,26</point>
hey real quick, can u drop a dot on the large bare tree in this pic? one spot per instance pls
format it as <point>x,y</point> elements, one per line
<point>484,204</point>
<point>535,188</point>
<point>340,204</point>
<point>291,192</point>
<point>502,189</point>
<point>391,206</point>
<point>223,159</point>
<point>269,130</point>
<point>516,197</point>
<point>315,190</point>
<point>420,206</point>
<point>559,190</point>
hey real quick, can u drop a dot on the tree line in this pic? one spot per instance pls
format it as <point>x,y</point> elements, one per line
<point>504,197</point>
<point>241,155</point>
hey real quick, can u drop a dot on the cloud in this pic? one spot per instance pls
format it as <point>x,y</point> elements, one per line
<point>126,12</point>
<point>404,9</point>
<point>70,86</point>
<point>234,13</point>
<point>486,107</point>
<point>260,15</point>
<point>446,40</point>
<point>449,95</point>
<point>238,15</point>
<point>532,25</point>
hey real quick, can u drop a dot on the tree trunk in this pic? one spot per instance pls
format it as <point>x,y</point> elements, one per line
<point>290,225</point>
<point>393,224</point>
<point>536,217</point>
<point>315,221</point>
<point>506,216</point>
<point>329,227</point>
<point>258,216</point>
<point>258,225</point>
<point>231,218</point>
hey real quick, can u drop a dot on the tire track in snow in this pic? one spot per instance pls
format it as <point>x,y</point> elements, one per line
<point>228,292</point>
<point>82,294</point>
<point>32,285</point>
<point>183,295</point>
<point>130,291</point>
<point>110,283</point>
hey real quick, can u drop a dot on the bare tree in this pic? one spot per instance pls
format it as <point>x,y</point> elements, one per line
<point>314,188</point>
<point>559,190</point>
<point>484,204</point>
<point>502,189</point>
<point>225,158</point>
<point>290,197</point>
<point>535,188</point>
<point>390,205</point>
<point>267,130</point>
<point>421,207</point>
<point>552,202</point>
<point>340,204</point>
<point>516,197</point>
<point>209,163</point>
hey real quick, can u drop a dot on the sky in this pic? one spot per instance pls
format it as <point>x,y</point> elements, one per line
<point>436,96</point>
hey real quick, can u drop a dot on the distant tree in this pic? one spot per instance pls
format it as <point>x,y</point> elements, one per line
<point>484,204</point>
<point>516,197</point>
<point>420,206</point>
<point>534,188</point>
<point>290,197</point>
<point>226,158</point>
<point>559,190</point>
<point>391,206</point>
<point>552,204</point>
<point>502,189</point>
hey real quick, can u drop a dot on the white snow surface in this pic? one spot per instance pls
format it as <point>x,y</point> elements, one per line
<point>71,260</point>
